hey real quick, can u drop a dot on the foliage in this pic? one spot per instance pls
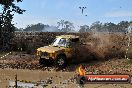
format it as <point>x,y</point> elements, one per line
<point>109,27</point>
<point>96,26</point>
<point>106,27</point>
<point>122,25</point>
<point>6,26</point>
<point>84,28</point>
<point>36,27</point>
<point>65,26</point>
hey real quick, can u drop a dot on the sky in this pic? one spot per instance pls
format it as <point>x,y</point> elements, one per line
<point>52,11</point>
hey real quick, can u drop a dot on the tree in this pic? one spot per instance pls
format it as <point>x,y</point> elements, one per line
<point>65,26</point>
<point>109,27</point>
<point>96,26</point>
<point>18,29</point>
<point>84,28</point>
<point>130,22</point>
<point>61,24</point>
<point>6,26</point>
<point>36,27</point>
<point>123,25</point>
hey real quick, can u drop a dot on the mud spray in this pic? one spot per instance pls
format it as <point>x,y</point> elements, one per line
<point>101,43</point>
<point>108,45</point>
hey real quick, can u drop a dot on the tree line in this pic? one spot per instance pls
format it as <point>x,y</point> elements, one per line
<point>67,26</point>
<point>106,27</point>
<point>62,26</point>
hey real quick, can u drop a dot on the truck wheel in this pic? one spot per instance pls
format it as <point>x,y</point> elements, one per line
<point>61,61</point>
<point>81,80</point>
<point>41,61</point>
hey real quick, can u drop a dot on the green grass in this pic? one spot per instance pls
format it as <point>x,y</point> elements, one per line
<point>2,53</point>
<point>130,61</point>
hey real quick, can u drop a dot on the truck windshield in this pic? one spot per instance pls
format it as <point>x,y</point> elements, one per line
<point>60,42</point>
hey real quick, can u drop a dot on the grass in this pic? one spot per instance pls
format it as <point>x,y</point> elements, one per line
<point>2,53</point>
<point>130,61</point>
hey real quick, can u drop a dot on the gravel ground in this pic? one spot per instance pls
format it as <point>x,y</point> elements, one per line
<point>112,66</point>
<point>29,70</point>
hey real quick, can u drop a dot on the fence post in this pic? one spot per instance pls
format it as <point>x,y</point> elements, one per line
<point>16,81</point>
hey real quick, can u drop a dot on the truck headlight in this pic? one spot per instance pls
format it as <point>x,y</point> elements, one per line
<point>38,53</point>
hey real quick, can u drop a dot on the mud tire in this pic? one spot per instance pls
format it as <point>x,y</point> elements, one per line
<point>42,61</point>
<point>81,80</point>
<point>61,61</point>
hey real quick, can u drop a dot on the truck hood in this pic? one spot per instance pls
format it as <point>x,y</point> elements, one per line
<point>50,49</point>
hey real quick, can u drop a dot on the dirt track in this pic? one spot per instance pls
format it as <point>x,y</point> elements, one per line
<point>28,69</point>
<point>58,79</point>
<point>111,66</point>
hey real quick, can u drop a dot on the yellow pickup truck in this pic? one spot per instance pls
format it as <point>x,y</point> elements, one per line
<point>64,49</point>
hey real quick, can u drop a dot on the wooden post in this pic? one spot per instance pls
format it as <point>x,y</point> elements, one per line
<point>16,81</point>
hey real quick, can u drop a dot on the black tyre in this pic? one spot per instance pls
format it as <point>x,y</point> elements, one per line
<point>61,61</point>
<point>81,80</point>
<point>41,61</point>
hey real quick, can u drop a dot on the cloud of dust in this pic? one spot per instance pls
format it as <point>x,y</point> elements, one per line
<point>101,43</point>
